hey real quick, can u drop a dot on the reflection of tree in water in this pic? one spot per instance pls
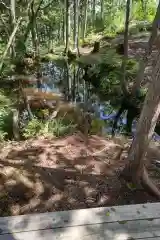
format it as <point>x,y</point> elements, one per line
<point>67,79</point>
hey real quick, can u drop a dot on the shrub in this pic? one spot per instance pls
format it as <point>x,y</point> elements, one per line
<point>56,127</point>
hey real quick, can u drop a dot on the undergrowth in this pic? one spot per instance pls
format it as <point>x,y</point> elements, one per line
<point>56,127</point>
<point>5,116</point>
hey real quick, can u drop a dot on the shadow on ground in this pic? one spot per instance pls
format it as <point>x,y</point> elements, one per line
<point>51,175</point>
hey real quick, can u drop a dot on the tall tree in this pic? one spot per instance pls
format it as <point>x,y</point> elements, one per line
<point>13,24</point>
<point>146,125</point>
<point>67,25</point>
<point>94,12</point>
<point>125,57</point>
<point>34,29</point>
<point>76,26</point>
<point>102,10</point>
<point>84,26</point>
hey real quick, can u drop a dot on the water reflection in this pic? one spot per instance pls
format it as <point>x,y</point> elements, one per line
<point>61,77</point>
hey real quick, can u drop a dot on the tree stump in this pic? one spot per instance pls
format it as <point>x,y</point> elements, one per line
<point>96,47</point>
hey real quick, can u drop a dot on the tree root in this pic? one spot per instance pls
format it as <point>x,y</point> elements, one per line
<point>149,184</point>
<point>144,181</point>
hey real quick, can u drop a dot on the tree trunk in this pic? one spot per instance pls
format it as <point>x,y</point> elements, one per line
<point>94,13</point>
<point>34,31</point>
<point>13,24</point>
<point>125,57</point>
<point>67,25</point>
<point>143,62</point>
<point>85,20</point>
<point>9,43</point>
<point>23,39</point>
<point>145,129</point>
<point>76,26</point>
<point>63,27</point>
<point>102,10</point>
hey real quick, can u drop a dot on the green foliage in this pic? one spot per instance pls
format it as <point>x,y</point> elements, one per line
<point>140,14</point>
<point>131,68</point>
<point>56,127</point>
<point>5,117</point>
<point>96,126</point>
<point>33,128</point>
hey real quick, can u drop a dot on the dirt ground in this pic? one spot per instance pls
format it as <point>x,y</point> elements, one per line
<point>60,174</point>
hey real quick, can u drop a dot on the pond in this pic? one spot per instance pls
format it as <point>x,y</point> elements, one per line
<point>68,79</point>
<point>61,77</point>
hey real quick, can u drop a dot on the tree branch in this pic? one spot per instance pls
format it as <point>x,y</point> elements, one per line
<point>4,5</point>
<point>9,42</point>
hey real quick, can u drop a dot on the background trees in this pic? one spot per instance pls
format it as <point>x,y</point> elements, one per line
<point>48,23</point>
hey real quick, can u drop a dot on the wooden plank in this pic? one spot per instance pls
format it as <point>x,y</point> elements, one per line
<point>141,229</point>
<point>80,217</point>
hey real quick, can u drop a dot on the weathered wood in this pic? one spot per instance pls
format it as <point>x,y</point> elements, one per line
<point>140,229</point>
<point>34,222</point>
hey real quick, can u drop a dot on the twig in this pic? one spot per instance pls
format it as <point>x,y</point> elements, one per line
<point>4,5</point>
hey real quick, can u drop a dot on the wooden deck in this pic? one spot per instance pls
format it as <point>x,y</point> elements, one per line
<point>140,221</point>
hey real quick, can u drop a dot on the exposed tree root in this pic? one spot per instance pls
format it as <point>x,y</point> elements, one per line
<point>144,180</point>
<point>149,184</point>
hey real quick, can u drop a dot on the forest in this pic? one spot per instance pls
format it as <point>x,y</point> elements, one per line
<point>79,104</point>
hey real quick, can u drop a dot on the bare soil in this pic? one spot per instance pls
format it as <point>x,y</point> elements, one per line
<point>49,174</point>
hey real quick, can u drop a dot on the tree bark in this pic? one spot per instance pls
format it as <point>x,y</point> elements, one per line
<point>143,62</point>
<point>34,30</point>
<point>85,20</point>
<point>30,22</point>
<point>94,13</point>
<point>67,25</point>
<point>102,10</point>
<point>145,129</point>
<point>125,57</point>
<point>76,26</point>
<point>13,24</point>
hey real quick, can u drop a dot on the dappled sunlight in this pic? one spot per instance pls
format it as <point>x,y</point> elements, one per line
<point>56,174</point>
<point>122,236</point>
<point>50,174</point>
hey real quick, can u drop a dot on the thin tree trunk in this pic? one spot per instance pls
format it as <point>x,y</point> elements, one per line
<point>75,23</point>
<point>85,20</point>
<point>67,23</point>
<point>13,24</point>
<point>9,43</point>
<point>94,13</point>
<point>31,20</point>
<point>125,57</point>
<point>34,31</point>
<point>76,26</point>
<point>63,27</point>
<point>102,10</point>
<point>143,62</point>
